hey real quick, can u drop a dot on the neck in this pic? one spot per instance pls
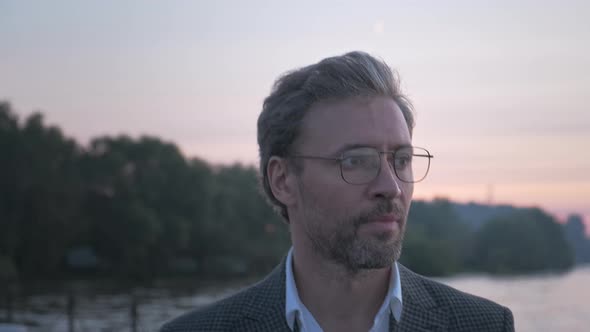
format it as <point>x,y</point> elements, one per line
<point>338,298</point>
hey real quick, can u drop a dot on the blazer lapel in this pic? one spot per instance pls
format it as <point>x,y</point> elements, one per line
<point>419,320</point>
<point>267,308</point>
<point>420,312</point>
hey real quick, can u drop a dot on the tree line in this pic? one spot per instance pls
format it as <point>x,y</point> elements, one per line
<point>138,209</point>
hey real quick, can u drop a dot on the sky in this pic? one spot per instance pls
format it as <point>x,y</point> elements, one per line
<point>500,87</point>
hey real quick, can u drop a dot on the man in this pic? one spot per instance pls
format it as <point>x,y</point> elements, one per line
<point>337,161</point>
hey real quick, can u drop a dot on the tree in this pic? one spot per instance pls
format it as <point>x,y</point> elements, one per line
<point>247,230</point>
<point>144,199</point>
<point>436,239</point>
<point>524,242</point>
<point>40,191</point>
<point>575,232</point>
<point>9,183</point>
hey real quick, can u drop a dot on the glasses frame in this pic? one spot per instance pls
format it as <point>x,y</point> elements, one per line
<point>381,153</point>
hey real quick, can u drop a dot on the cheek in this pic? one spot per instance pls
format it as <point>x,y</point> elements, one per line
<point>335,200</point>
<point>332,199</point>
<point>407,193</point>
<point>325,184</point>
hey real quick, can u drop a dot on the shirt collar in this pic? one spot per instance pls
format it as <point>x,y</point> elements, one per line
<point>294,307</point>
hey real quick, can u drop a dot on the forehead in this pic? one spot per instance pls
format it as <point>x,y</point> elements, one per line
<point>369,121</point>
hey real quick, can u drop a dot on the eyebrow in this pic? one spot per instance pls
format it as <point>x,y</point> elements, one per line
<point>347,147</point>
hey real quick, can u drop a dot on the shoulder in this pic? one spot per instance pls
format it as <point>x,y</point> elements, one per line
<point>464,310</point>
<point>219,316</point>
<point>238,310</point>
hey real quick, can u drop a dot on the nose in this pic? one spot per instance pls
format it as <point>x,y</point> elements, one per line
<point>386,184</point>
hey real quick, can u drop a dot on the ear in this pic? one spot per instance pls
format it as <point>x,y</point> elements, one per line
<point>281,180</point>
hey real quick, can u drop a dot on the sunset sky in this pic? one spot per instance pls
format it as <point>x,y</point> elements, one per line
<point>501,88</point>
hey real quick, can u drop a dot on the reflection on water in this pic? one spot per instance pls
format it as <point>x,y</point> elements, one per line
<point>539,303</point>
<point>107,312</point>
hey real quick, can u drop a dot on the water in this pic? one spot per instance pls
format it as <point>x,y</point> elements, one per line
<point>539,303</point>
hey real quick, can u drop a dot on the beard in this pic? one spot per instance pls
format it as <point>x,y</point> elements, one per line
<point>341,242</point>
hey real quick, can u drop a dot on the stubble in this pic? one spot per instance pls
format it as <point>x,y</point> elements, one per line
<point>340,242</point>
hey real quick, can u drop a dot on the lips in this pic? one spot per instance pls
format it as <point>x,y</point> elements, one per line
<point>384,223</point>
<point>387,219</point>
<point>386,215</point>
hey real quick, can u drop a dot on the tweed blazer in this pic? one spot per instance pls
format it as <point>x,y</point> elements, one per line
<point>427,306</point>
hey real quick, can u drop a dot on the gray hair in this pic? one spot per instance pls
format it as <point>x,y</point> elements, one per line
<point>353,74</point>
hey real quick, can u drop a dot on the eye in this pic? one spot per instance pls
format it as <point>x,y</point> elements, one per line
<point>402,160</point>
<point>358,161</point>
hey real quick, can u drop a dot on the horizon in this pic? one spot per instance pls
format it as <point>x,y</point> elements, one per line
<point>499,90</point>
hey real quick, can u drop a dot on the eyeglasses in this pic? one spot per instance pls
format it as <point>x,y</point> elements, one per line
<point>362,165</point>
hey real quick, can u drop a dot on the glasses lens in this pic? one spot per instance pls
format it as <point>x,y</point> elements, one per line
<point>411,164</point>
<point>360,166</point>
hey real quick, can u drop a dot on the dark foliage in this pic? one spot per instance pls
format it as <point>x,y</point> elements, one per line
<point>137,209</point>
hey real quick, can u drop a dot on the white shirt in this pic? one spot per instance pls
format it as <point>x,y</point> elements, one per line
<point>296,310</point>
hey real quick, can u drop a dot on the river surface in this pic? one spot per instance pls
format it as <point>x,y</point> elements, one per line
<point>540,302</point>
<point>559,302</point>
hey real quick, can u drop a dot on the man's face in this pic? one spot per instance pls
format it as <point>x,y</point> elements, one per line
<point>356,226</point>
